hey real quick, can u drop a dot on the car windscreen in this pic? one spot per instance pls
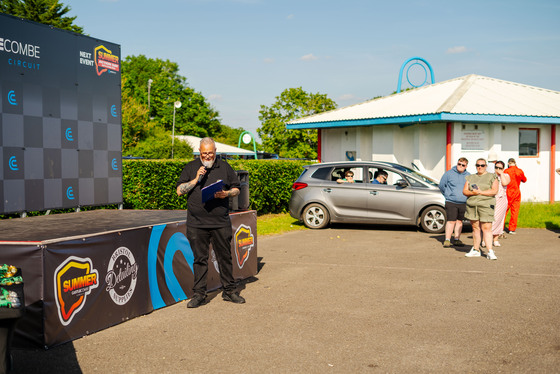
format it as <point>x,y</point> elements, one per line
<point>417,175</point>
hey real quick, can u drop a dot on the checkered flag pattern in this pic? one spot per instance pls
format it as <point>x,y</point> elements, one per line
<point>60,119</point>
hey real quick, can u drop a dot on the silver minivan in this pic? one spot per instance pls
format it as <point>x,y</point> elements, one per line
<point>380,193</point>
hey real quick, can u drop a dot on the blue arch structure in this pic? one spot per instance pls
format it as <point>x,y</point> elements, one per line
<point>420,59</point>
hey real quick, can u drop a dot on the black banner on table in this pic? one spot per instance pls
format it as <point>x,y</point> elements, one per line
<point>28,258</point>
<point>170,259</point>
<point>77,286</point>
<point>94,283</point>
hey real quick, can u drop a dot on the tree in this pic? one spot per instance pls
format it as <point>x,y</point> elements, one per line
<point>48,12</point>
<point>158,145</point>
<point>292,103</point>
<point>195,117</point>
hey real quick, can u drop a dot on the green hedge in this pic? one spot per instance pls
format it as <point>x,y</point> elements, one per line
<point>150,184</point>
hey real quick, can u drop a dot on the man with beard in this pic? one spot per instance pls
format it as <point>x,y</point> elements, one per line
<point>208,222</point>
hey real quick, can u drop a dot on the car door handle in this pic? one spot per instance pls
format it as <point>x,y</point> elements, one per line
<point>373,192</point>
<point>327,189</point>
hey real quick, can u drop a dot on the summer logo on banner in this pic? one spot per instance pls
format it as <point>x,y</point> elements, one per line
<point>244,242</point>
<point>73,281</point>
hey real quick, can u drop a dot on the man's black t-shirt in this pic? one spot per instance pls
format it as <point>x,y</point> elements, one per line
<point>215,212</point>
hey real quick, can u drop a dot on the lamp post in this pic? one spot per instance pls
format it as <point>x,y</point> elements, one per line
<point>176,105</point>
<point>149,87</point>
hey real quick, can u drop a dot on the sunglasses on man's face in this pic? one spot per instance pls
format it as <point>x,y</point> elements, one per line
<point>498,168</point>
<point>480,165</point>
<point>463,165</point>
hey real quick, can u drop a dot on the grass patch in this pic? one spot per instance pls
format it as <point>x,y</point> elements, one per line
<point>270,224</point>
<point>539,216</point>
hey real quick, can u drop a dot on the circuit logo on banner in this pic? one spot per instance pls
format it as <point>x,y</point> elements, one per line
<point>74,280</point>
<point>122,274</point>
<point>13,163</point>
<point>12,98</point>
<point>19,48</point>
<point>244,242</point>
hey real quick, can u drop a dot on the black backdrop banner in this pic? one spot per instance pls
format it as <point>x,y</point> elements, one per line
<point>60,118</point>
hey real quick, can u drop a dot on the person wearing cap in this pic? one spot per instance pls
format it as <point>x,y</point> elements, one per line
<point>514,193</point>
<point>492,158</point>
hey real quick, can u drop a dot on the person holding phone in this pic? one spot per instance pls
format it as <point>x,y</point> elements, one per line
<point>480,189</point>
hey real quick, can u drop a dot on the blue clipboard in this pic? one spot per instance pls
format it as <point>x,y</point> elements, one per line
<point>209,191</point>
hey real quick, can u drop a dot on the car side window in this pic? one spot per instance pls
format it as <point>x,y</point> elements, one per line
<point>383,176</point>
<point>322,173</point>
<point>339,174</point>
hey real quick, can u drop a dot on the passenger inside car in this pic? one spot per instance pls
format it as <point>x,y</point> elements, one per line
<point>348,177</point>
<point>339,175</point>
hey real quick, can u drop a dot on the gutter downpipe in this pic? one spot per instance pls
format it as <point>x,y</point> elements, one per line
<point>448,148</point>
<point>552,161</point>
<point>319,145</point>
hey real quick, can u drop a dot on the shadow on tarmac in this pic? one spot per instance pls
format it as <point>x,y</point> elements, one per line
<point>59,359</point>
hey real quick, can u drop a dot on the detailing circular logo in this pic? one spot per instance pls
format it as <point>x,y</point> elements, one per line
<point>121,276</point>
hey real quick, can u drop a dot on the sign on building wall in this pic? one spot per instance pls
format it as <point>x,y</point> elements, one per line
<point>60,118</point>
<point>473,140</point>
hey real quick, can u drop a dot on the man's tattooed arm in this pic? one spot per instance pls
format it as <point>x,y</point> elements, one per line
<point>184,188</point>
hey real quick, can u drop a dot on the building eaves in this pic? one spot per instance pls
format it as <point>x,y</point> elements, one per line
<point>471,98</point>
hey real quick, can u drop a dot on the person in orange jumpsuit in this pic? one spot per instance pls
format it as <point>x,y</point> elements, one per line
<point>513,193</point>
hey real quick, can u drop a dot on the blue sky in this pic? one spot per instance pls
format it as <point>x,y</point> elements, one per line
<point>241,54</point>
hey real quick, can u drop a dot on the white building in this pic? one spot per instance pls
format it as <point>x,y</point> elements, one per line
<point>432,126</point>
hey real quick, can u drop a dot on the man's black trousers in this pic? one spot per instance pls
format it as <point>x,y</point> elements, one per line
<point>200,240</point>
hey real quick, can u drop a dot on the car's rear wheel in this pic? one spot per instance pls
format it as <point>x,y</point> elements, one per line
<point>315,216</point>
<point>433,220</point>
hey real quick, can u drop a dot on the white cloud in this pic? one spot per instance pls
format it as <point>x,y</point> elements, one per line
<point>457,49</point>
<point>291,16</point>
<point>268,60</point>
<point>215,97</point>
<point>309,57</point>
<point>347,97</point>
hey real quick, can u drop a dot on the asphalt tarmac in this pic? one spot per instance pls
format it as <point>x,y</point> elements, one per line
<point>350,299</point>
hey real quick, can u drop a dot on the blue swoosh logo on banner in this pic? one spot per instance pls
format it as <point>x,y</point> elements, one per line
<point>157,300</point>
<point>177,242</point>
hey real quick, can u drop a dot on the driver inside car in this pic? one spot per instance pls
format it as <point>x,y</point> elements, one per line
<point>380,177</point>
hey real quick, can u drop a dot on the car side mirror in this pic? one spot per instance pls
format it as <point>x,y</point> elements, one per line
<point>401,183</point>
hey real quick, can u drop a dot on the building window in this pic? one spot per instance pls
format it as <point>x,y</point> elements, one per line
<point>528,142</point>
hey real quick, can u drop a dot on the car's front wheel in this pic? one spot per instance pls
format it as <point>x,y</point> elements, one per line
<point>433,220</point>
<point>315,216</point>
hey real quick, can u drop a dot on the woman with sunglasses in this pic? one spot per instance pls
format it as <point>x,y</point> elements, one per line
<point>501,202</point>
<point>480,189</point>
